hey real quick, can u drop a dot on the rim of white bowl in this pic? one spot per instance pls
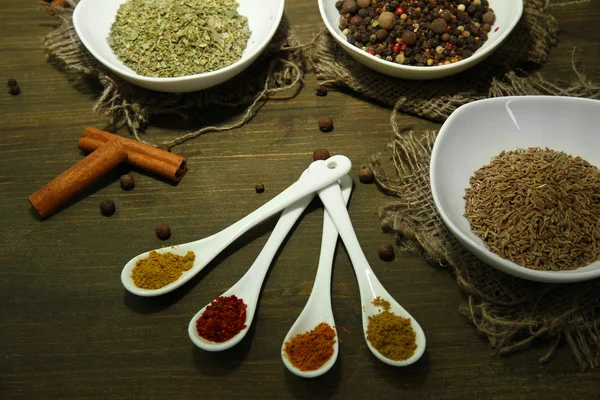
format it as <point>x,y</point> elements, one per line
<point>525,273</point>
<point>475,56</point>
<point>133,75</point>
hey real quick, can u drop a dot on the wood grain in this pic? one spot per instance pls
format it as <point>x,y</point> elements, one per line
<point>69,330</point>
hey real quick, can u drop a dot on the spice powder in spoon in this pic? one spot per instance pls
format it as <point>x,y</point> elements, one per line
<point>390,334</point>
<point>310,350</point>
<point>160,269</point>
<point>224,318</point>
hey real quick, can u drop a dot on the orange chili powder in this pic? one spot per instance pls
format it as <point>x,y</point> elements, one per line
<point>309,351</point>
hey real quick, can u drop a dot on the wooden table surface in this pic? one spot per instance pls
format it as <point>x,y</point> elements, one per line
<point>70,330</point>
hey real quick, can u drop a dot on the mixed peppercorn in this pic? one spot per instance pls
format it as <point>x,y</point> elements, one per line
<point>417,32</point>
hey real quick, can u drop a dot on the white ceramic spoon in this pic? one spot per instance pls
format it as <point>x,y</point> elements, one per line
<point>322,173</point>
<point>318,307</point>
<point>369,286</point>
<point>249,286</point>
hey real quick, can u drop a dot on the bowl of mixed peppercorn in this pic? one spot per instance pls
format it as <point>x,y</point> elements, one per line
<point>420,39</point>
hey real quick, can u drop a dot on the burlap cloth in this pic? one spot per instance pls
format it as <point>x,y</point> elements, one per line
<point>511,313</point>
<point>276,74</point>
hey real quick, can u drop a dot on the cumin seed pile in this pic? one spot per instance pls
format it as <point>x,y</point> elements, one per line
<point>538,208</point>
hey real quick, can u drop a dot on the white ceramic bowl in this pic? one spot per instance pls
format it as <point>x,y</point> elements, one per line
<point>92,20</point>
<point>478,131</point>
<point>508,13</point>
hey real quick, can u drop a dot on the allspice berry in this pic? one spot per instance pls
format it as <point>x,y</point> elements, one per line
<point>127,182</point>
<point>446,15</point>
<point>13,87</point>
<point>386,251</point>
<point>349,6</point>
<point>438,26</point>
<point>260,188</point>
<point>14,90</point>
<point>364,3</point>
<point>356,20</point>
<point>387,20</point>
<point>365,174</point>
<point>321,154</point>
<point>321,91</point>
<point>164,147</point>
<point>163,231</point>
<point>489,18</point>
<point>326,124</point>
<point>107,207</point>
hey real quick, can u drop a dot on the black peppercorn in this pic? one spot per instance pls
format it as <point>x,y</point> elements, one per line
<point>163,231</point>
<point>326,124</point>
<point>409,37</point>
<point>386,251</point>
<point>107,207</point>
<point>260,188</point>
<point>127,182</point>
<point>365,174</point>
<point>381,34</point>
<point>321,154</point>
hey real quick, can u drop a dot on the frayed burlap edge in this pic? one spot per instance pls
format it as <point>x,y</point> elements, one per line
<point>277,74</point>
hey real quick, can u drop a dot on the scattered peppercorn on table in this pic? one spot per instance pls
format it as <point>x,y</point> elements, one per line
<point>70,330</point>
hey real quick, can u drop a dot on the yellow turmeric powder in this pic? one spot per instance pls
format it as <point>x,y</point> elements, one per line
<point>160,269</point>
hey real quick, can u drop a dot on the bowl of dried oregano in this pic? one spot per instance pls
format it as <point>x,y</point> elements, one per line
<point>176,46</point>
<point>516,180</point>
<point>420,39</point>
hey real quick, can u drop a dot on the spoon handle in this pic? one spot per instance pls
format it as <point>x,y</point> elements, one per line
<point>252,280</point>
<point>321,291</point>
<point>322,173</point>
<point>331,197</point>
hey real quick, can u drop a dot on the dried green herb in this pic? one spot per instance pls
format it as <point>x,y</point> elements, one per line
<point>168,38</point>
<point>538,208</point>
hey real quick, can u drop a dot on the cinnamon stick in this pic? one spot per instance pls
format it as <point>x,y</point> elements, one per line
<point>64,187</point>
<point>59,3</point>
<point>149,158</point>
<point>55,4</point>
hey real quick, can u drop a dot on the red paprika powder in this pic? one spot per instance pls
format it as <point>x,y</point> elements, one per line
<point>224,318</point>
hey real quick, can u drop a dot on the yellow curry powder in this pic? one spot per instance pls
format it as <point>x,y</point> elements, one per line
<point>390,334</point>
<point>160,269</point>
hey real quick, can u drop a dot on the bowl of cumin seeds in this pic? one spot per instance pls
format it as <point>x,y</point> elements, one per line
<point>515,180</point>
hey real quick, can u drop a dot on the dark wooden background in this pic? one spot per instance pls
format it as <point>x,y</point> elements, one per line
<point>69,330</point>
